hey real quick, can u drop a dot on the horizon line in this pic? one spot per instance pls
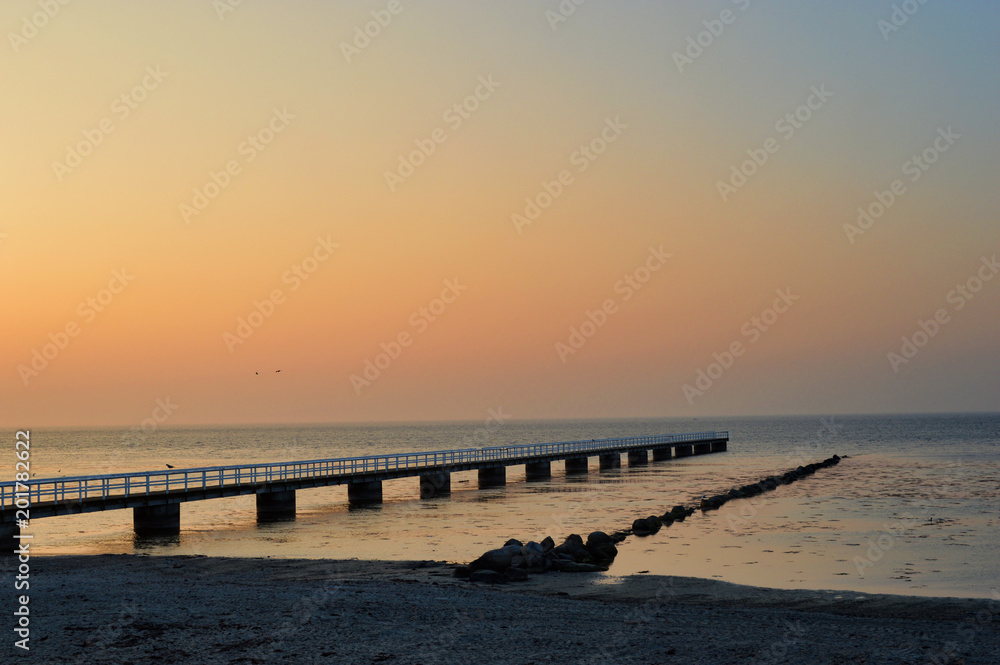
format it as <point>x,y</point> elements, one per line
<point>321,423</point>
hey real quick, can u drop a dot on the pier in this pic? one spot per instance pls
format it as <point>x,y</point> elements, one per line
<point>155,496</point>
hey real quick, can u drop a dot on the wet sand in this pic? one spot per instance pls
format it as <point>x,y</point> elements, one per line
<point>143,609</point>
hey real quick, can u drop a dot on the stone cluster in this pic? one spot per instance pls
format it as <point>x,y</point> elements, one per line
<point>768,484</point>
<point>516,560</point>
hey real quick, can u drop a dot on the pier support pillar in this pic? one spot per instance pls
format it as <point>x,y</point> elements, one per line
<point>610,461</point>
<point>164,520</point>
<point>660,454</point>
<point>538,470</point>
<point>577,465</point>
<point>702,448</point>
<point>8,539</point>
<point>435,484</point>
<point>494,476</point>
<point>683,451</point>
<point>276,506</point>
<point>719,446</point>
<point>638,457</point>
<point>364,492</point>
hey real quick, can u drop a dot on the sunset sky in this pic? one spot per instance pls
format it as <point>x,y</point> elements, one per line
<point>495,205</point>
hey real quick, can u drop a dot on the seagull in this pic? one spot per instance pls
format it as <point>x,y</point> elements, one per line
<point>276,371</point>
<point>257,373</point>
<point>170,466</point>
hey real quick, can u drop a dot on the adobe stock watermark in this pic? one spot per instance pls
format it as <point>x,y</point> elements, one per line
<point>87,310</point>
<point>121,108</point>
<point>753,330</point>
<point>454,116</point>
<point>739,522</point>
<point>626,288</point>
<point>562,12</point>
<point>581,159</point>
<point>610,650</point>
<point>803,452</point>
<point>31,25</point>
<point>892,533</point>
<point>223,7</point>
<point>898,17</point>
<point>137,434</point>
<point>363,35</point>
<point>778,650</point>
<point>495,419</point>
<point>264,309</point>
<point>420,320</point>
<point>249,149</point>
<point>958,298</point>
<point>714,28</point>
<point>914,167</point>
<point>787,125</point>
<point>972,626</point>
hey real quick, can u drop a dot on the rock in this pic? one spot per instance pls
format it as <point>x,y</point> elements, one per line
<point>573,551</point>
<point>641,528</point>
<point>486,576</point>
<point>574,567</point>
<point>601,547</point>
<point>515,575</point>
<point>603,555</point>
<point>599,538</point>
<point>548,544</point>
<point>462,571</point>
<point>712,502</point>
<point>678,513</point>
<point>836,459</point>
<point>499,559</point>
<point>535,563</point>
<point>646,526</point>
<point>517,561</point>
<point>513,541</point>
<point>534,548</point>
<point>573,545</point>
<point>619,536</point>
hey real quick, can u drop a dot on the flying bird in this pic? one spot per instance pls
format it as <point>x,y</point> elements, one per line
<point>170,466</point>
<point>276,371</point>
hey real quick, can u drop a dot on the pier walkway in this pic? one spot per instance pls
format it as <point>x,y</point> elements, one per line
<point>155,496</point>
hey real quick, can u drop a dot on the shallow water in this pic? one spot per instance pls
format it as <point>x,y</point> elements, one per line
<point>913,510</point>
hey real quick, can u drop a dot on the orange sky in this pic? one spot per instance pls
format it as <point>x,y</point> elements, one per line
<point>167,171</point>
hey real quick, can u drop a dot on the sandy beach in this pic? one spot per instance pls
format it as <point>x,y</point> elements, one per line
<point>143,609</point>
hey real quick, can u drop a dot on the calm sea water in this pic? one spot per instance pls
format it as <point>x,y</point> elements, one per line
<point>914,509</point>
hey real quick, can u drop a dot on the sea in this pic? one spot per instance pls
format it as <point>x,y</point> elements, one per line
<point>913,508</point>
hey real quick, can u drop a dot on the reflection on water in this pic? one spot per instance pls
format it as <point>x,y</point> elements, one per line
<point>914,510</point>
<point>155,543</point>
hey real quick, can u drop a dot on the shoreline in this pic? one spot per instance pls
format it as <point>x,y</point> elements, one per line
<point>121,608</point>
